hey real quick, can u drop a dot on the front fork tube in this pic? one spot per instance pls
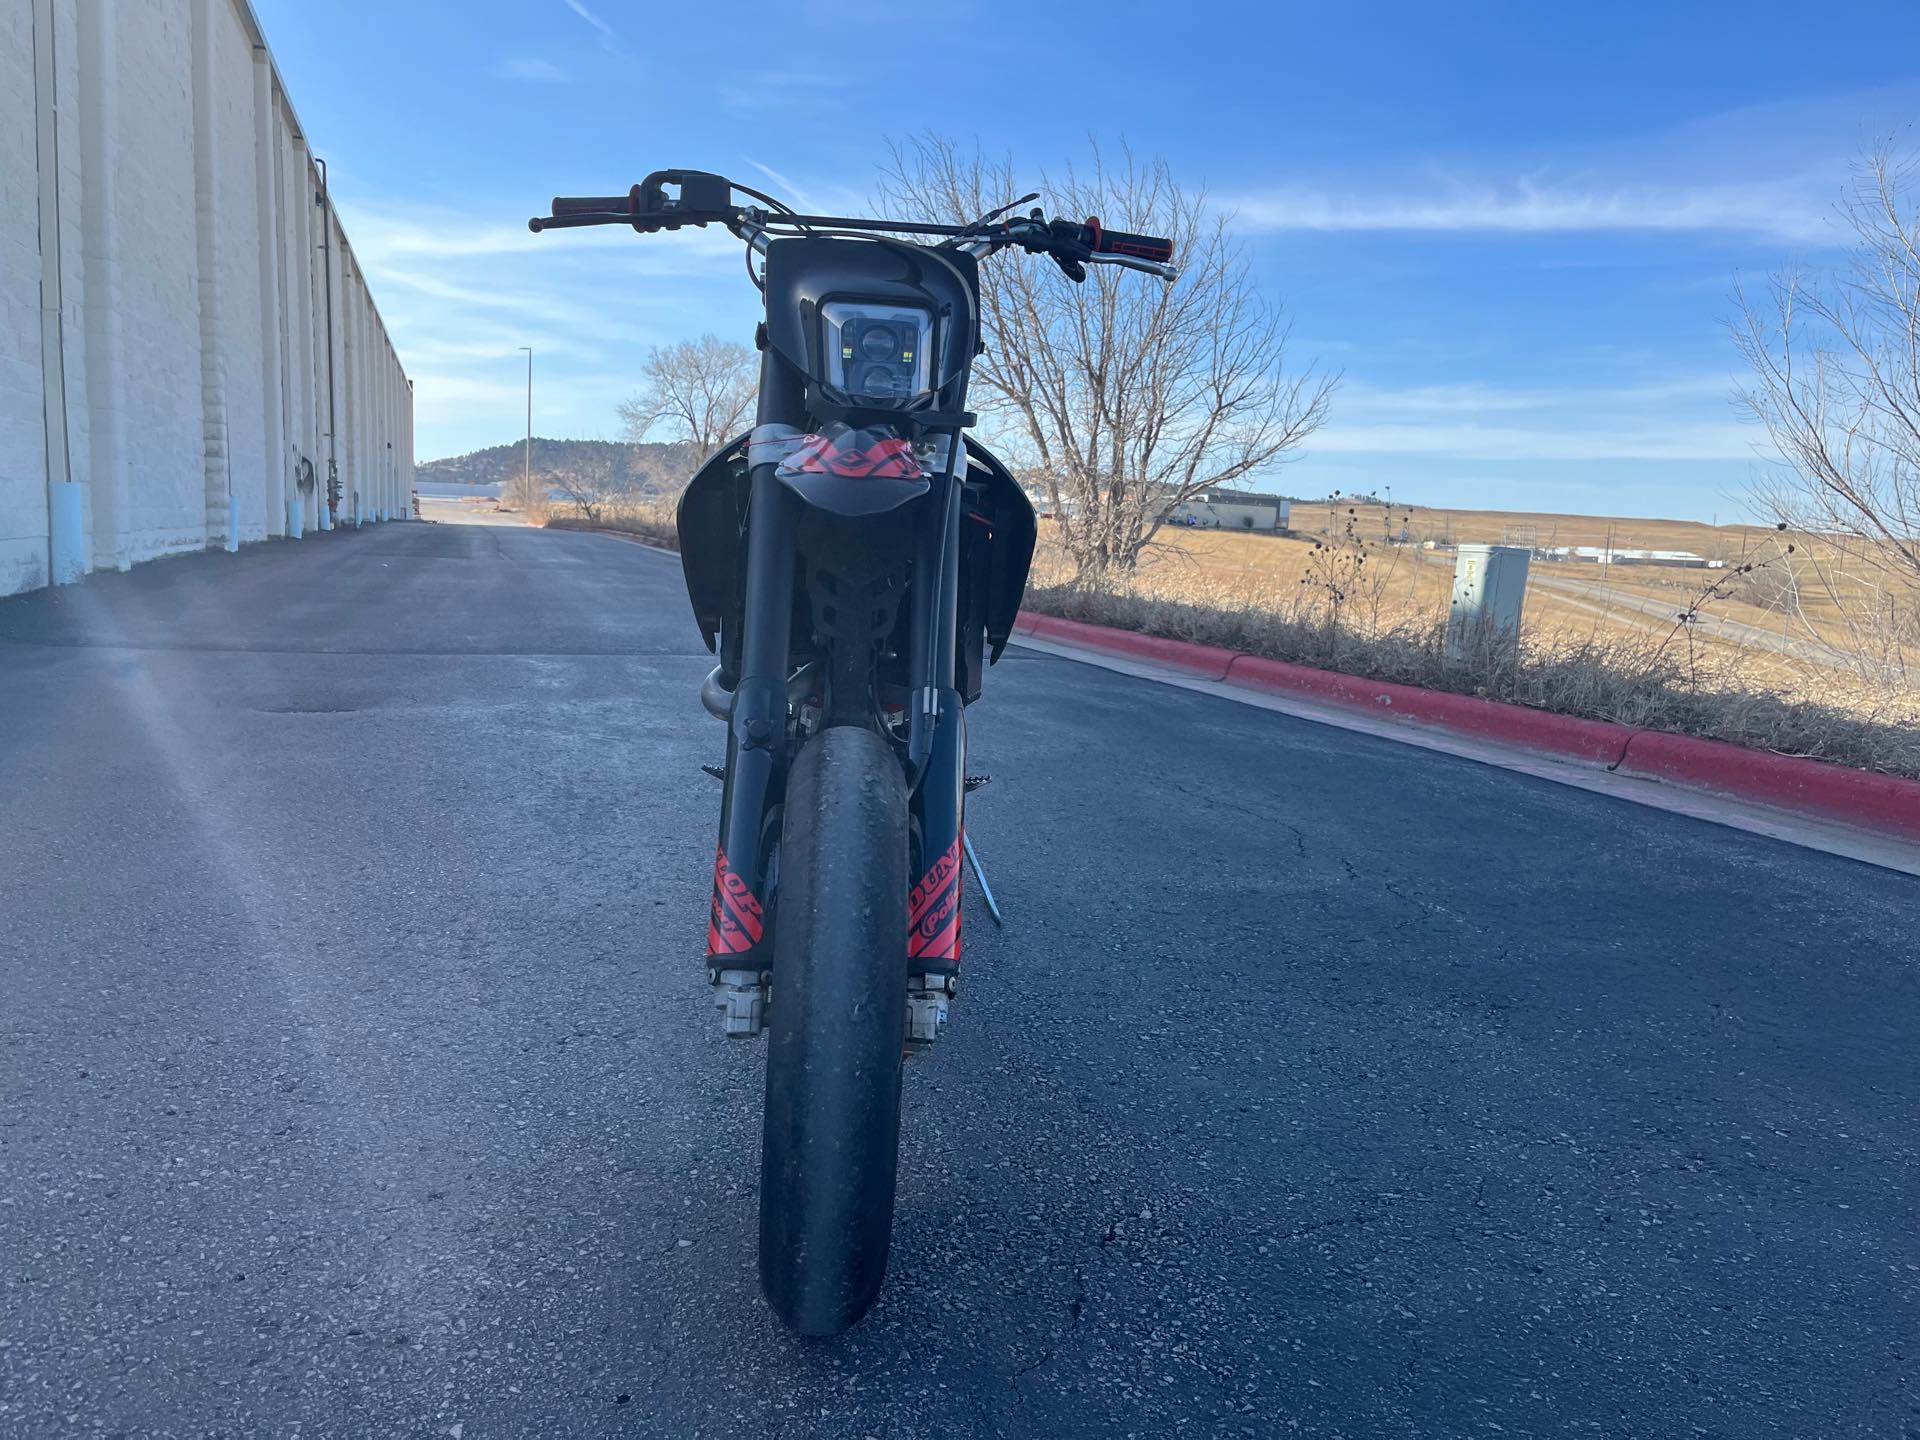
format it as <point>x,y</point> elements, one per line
<point>937,759</point>
<point>933,906</point>
<point>739,932</point>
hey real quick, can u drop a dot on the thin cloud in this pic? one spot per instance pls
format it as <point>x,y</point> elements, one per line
<point>1683,418</point>
<point>1787,211</point>
<point>784,188</point>
<point>453,390</point>
<point>543,71</point>
<point>791,93</point>
<point>606,30</point>
<point>1699,441</point>
<point>461,287</point>
<point>537,305</point>
<point>459,242</point>
<point>1479,398</point>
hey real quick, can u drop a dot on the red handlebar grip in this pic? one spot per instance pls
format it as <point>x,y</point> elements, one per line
<point>1119,242</point>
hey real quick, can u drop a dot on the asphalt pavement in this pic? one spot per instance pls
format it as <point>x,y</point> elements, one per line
<point>358,1077</point>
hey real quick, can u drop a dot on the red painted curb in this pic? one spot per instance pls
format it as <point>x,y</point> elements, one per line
<point>1859,797</point>
<point>1514,724</point>
<point>1208,660</point>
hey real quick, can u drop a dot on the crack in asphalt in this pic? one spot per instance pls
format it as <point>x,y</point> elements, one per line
<point>1076,1311</point>
<point>1367,1217</point>
<point>1425,910</point>
<point>1363,1217</point>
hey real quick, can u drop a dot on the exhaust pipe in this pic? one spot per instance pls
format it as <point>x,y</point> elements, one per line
<point>716,691</point>
<point>716,694</point>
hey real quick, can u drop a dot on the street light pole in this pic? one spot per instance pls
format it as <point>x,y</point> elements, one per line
<point>526,464</point>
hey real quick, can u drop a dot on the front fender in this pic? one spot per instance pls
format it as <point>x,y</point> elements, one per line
<point>853,496</point>
<point>1011,524</point>
<point>711,520</point>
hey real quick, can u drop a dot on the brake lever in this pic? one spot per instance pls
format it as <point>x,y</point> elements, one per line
<point>1169,273</point>
<point>571,222</point>
<point>643,223</point>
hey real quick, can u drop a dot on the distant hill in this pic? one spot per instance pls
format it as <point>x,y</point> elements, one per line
<point>654,466</point>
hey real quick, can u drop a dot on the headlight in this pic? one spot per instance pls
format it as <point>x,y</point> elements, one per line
<point>877,352</point>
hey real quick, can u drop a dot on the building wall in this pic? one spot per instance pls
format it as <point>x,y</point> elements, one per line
<point>1231,517</point>
<point>164,267</point>
<point>23,457</point>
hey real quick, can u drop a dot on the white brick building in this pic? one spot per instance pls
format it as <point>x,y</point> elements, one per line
<point>188,350</point>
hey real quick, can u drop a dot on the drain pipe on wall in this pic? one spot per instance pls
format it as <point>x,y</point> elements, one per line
<point>66,497</point>
<point>108,503</point>
<point>222,505</point>
<point>325,200</point>
<point>266,198</point>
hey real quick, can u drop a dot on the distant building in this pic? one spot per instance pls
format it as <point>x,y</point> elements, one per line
<point>1234,510</point>
<point>1600,555</point>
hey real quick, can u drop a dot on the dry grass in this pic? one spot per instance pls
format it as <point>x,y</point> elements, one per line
<point>1245,592</point>
<point>1391,625</point>
<point>650,520</point>
<point>1826,600</point>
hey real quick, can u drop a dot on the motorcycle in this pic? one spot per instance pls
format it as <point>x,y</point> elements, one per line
<point>853,563</point>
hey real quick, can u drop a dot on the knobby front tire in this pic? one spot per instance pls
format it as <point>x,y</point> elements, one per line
<point>831,1136</point>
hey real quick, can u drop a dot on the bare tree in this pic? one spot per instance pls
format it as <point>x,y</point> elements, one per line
<point>701,390</point>
<point>659,470</point>
<point>1836,383</point>
<point>1126,396</point>
<point>526,493</point>
<point>596,483</point>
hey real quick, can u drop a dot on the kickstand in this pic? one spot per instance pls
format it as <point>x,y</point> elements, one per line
<point>986,890</point>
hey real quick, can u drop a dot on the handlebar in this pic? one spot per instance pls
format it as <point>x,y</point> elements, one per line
<point>705,199</point>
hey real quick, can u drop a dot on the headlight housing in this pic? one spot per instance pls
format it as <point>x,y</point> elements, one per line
<point>879,353</point>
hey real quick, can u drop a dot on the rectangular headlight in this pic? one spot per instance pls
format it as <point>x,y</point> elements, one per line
<point>878,352</point>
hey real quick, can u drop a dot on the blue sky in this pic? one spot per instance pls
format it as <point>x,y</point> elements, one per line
<point>1516,228</point>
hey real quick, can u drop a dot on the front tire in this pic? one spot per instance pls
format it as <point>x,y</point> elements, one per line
<point>831,1136</point>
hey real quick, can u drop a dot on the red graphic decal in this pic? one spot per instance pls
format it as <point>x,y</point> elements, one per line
<point>933,882</point>
<point>735,925</point>
<point>933,911</point>
<point>884,459</point>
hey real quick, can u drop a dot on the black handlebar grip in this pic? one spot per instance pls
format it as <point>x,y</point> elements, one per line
<point>1119,242</point>
<point>593,204</point>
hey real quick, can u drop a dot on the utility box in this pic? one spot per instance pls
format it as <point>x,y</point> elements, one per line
<point>1489,588</point>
